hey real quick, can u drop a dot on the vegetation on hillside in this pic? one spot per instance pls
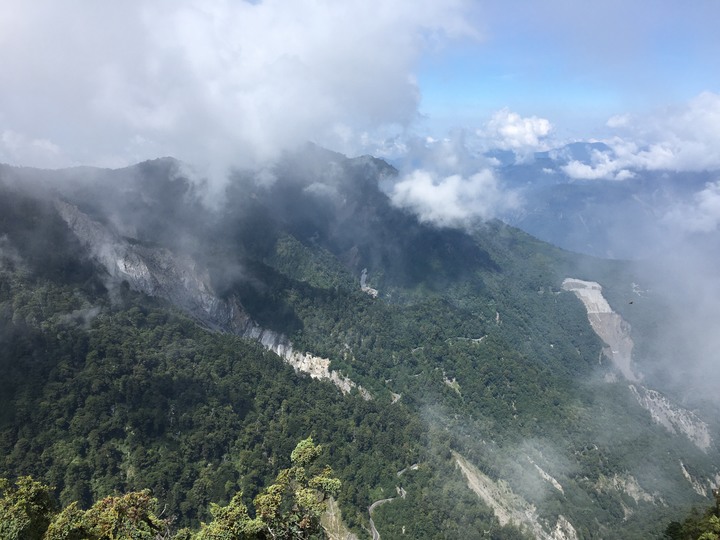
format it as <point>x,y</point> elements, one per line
<point>470,347</point>
<point>131,397</point>
<point>290,508</point>
<point>697,525</point>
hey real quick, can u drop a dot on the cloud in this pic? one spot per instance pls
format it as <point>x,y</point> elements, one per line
<point>510,131</point>
<point>679,138</point>
<point>221,81</point>
<point>453,154</point>
<point>603,165</point>
<point>449,182</point>
<point>702,215</point>
<point>16,147</point>
<point>454,200</point>
<point>619,120</point>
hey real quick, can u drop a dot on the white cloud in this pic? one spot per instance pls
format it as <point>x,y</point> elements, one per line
<point>510,131</point>
<point>603,165</point>
<point>18,148</point>
<point>449,182</point>
<point>701,215</point>
<point>211,81</point>
<point>620,120</point>
<point>582,171</point>
<point>680,138</point>
<point>452,200</point>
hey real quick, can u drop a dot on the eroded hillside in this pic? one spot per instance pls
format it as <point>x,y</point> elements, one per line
<point>465,341</point>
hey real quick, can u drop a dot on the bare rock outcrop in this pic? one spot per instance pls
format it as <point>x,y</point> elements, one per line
<point>673,417</point>
<point>333,524</point>
<point>608,325</point>
<point>180,280</point>
<point>628,484</point>
<point>614,331</point>
<point>509,507</point>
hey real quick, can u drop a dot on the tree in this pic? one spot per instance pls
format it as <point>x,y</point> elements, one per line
<point>697,525</point>
<point>25,509</point>
<point>68,524</point>
<point>292,506</point>
<point>129,517</point>
<point>288,509</point>
<point>126,517</point>
<point>231,522</point>
<point>712,529</point>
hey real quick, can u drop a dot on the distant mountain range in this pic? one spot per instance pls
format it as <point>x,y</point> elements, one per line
<point>155,336</point>
<point>626,219</point>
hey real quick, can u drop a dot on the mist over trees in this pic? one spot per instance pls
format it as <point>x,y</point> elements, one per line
<point>470,347</point>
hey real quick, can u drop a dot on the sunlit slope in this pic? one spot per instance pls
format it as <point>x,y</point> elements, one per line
<point>465,343</point>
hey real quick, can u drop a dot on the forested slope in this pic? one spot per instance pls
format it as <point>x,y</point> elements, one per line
<point>465,342</point>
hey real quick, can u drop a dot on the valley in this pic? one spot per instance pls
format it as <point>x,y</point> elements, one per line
<point>155,342</point>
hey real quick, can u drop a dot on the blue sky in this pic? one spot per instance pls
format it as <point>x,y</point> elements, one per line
<point>577,63</point>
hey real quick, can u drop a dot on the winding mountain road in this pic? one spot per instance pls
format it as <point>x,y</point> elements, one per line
<point>373,530</point>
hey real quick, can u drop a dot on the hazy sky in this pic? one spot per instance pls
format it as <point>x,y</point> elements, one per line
<point>222,82</point>
<point>575,62</point>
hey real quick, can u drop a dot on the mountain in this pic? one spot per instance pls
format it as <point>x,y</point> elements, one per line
<point>464,383</point>
<point>629,218</point>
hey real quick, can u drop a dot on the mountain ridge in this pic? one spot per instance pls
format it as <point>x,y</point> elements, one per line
<point>282,261</point>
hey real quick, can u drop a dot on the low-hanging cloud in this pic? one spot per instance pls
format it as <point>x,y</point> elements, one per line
<point>20,149</point>
<point>454,200</point>
<point>701,215</point>
<point>225,81</point>
<point>449,182</point>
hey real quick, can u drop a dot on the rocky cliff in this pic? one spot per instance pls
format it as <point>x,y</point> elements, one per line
<point>615,332</point>
<point>179,279</point>
<point>608,325</point>
<point>509,507</point>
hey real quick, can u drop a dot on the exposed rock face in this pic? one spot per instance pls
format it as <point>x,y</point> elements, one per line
<point>547,477</point>
<point>614,331</point>
<point>333,523</point>
<point>608,325</point>
<point>153,271</point>
<point>316,367</point>
<point>364,287</point>
<point>563,530</point>
<point>180,280</point>
<point>509,507</point>
<point>700,486</point>
<point>627,484</point>
<point>672,417</point>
